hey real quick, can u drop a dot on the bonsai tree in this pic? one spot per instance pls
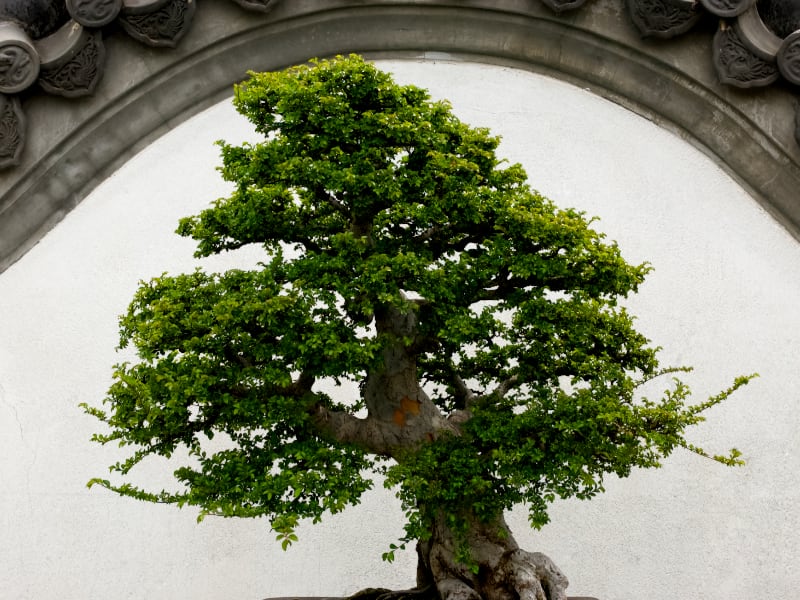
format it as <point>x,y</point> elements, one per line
<point>494,364</point>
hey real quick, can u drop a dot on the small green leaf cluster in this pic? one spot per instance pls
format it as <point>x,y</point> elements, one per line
<point>370,198</point>
<point>217,355</point>
<point>561,445</point>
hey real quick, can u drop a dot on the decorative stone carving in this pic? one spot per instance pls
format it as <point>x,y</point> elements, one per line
<point>38,42</point>
<point>737,65</point>
<point>727,8</point>
<point>72,61</point>
<point>663,18</point>
<point>263,5</point>
<point>564,5</point>
<point>142,7</point>
<point>782,17</point>
<point>94,13</point>
<point>38,18</point>
<point>12,131</point>
<point>19,62</point>
<point>789,58</point>
<point>754,34</point>
<point>163,26</point>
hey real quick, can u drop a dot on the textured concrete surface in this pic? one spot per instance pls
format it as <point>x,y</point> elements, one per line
<point>76,144</point>
<point>723,297</point>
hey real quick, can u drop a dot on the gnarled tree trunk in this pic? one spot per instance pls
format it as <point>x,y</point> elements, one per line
<point>500,570</point>
<point>402,417</point>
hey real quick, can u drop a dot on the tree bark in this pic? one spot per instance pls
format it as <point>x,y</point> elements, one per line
<point>401,417</point>
<point>502,571</point>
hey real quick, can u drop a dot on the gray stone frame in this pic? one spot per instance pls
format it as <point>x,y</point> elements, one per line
<point>146,91</point>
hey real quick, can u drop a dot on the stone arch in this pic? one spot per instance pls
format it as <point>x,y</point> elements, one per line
<point>78,143</point>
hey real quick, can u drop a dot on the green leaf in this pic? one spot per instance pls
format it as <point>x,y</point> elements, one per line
<point>397,248</point>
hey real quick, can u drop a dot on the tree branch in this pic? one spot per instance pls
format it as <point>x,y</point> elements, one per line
<point>340,207</point>
<point>469,397</point>
<point>303,384</point>
<point>502,288</point>
<point>427,234</point>
<point>343,428</point>
<point>506,386</point>
<point>464,396</point>
<point>309,244</point>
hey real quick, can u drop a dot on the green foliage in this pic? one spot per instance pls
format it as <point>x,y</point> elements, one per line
<point>367,196</point>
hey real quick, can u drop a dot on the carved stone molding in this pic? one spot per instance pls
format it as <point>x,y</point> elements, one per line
<point>755,34</point>
<point>737,64</point>
<point>12,130</point>
<point>789,58</point>
<point>746,49</point>
<point>759,46</point>
<point>754,136</point>
<point>781,16</point>
<point>163,26</point>
<point>94,13</point>
<point>727,8</point>
<point>265,5</point>
<point>564,5</point>
<point>72,62</point>
<point>142,7</point>
<point>39,18</point>
<point>663,18</point>
<point>19,61</point>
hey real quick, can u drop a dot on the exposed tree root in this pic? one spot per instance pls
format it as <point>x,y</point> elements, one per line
<point>530,576</point>
<point>504,571</point>
<point>427,592</point>
<point>519,575</point>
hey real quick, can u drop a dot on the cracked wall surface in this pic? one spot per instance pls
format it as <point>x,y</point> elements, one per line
<point>723,297</point>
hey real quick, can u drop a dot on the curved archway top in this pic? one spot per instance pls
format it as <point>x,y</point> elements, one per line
<point>72,143</point>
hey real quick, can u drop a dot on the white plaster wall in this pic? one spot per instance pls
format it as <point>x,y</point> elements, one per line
<point>724,298</point>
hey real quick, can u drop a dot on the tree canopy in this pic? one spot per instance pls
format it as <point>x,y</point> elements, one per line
<point>480,323</point>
